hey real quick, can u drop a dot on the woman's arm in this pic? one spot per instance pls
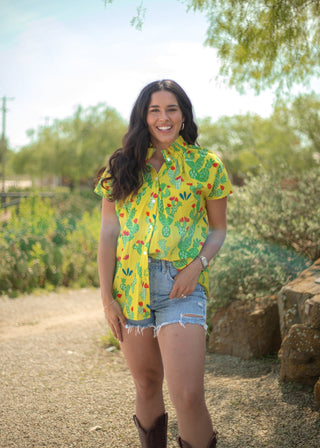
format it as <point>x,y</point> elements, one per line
<point>106,263</point>
<point>187,279</point>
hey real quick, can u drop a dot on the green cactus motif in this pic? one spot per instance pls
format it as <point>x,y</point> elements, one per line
<point>166,217</point>
<point>203,174</point>
<point>164,190</point>
<point>164,249</point>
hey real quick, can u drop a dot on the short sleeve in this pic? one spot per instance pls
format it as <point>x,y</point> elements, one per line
<point>103,187</point>
<point>219,184</point>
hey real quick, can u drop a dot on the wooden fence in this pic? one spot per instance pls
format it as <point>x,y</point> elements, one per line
<point>10,199</point>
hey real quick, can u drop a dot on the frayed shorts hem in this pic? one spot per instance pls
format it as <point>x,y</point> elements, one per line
<point>138,329</point>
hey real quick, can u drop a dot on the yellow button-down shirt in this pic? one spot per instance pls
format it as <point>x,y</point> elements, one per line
<point>167,220</point>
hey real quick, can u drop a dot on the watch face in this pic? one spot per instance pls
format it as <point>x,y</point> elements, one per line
<point>204,262</point>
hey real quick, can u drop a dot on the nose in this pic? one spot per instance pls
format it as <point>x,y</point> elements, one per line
<point>163,115</point>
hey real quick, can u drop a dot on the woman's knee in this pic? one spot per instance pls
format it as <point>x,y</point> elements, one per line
<point>148,383</point>
<point>189,398</point>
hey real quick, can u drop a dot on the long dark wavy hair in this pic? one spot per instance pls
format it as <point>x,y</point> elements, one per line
<point>127,164</point>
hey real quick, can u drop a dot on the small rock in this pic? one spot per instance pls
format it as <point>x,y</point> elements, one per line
<point>95,428</point>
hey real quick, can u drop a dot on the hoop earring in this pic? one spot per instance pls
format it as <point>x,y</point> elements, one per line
<point>182,126</point>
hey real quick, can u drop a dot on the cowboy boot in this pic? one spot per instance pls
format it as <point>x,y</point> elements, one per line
<point>156,436</point>
<point>212,442</point>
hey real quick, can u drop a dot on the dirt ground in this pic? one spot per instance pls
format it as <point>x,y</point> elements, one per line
<point>61,388</point>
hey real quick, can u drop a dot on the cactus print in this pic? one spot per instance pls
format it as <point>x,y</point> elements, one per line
<point>167,219</point>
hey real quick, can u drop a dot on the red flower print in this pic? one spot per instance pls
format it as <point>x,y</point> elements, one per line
<point>138,241</point>
<point>231,191</point>
<point>145,285</point>
<point>126,257</point>
<point>168,205</point>
<point>125,232</point>
<point>193,205</point>
<point>119,295</point>
<point>158,250</point>
<point>118,258</point>
<point>189,152</point>
<point>122,215</point>
<point>178,177</point>
<point>140,303</point>
<point>172,198</point>
<point>222,187</point>
<point>184,144</point>
<point>181,219</point>
<point>198,192</point>
<point>186,219</point>
<point>148,213</point>
<point>201,244</point>
<point>168,186</point>
<point>144,310</point>
<point>187,228</point>
<point>176,199</point>
<point>142,242</point>
<point>135,221</point>
<point>189,183</point>
<point>215,164</point>
<point>155,195</point>
<point>209,186</point>
<point>172,168</point>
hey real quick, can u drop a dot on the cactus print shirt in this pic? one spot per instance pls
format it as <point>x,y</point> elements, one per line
<point>167,219</point>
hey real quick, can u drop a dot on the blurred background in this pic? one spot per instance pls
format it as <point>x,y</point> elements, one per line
<point>70,73</point>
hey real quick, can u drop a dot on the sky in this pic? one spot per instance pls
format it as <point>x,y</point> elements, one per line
<point>58,54</point>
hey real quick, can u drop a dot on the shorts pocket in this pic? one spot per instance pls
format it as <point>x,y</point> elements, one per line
<point>172,272</point>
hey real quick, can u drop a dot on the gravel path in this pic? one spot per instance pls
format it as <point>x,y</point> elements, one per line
<point>60,388</point>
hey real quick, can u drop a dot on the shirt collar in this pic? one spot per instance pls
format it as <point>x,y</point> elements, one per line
<point>172,152</point>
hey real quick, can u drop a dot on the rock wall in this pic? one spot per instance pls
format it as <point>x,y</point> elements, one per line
<point>246,329</point>
<point>294,298</point>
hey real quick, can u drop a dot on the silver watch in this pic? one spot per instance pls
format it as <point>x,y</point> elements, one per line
<point>204,261</point>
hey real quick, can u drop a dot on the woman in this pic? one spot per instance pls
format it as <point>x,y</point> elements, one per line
<point>160,195</point>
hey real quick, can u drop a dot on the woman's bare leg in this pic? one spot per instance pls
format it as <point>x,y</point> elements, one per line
<point>183,354</point>
<point>143,357</point>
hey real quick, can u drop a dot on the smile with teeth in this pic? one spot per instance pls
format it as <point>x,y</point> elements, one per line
<point>164,128</point>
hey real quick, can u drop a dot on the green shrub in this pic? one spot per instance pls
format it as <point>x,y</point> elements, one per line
<point>281,211</point>
<point>45,246</point>
<point>246,268</point>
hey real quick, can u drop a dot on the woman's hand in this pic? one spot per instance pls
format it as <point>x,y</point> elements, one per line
<point>185,281</point>
<point>115,319</point>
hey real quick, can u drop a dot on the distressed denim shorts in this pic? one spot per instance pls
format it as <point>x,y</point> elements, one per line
<point>164,311</point>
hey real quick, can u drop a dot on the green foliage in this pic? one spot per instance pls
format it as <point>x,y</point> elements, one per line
<point>74,148</point>
<point>280,210</point>
<point>109,341</point>
<point>274,234</point>
<point>249,144</point>
<point>247,268</point>
<point>264,43</point>
<point>42,246</point>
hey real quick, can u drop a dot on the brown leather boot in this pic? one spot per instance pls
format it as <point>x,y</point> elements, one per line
<point>212,442</point>
<point>156,436</point>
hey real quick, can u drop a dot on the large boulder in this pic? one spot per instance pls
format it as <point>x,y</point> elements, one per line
<point>300,355</point>
<point>293,298</point>
<point>316,393</point>
<point>246,329</point>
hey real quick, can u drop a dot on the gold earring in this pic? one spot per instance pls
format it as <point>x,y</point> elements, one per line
<point>182,127</point>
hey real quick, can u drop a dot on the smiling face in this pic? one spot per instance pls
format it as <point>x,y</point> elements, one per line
<point>164,119</point>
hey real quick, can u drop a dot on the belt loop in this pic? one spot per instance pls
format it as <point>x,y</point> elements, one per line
<point>163,265</point>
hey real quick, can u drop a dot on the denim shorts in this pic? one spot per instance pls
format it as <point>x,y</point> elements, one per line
<point>164,311</point>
